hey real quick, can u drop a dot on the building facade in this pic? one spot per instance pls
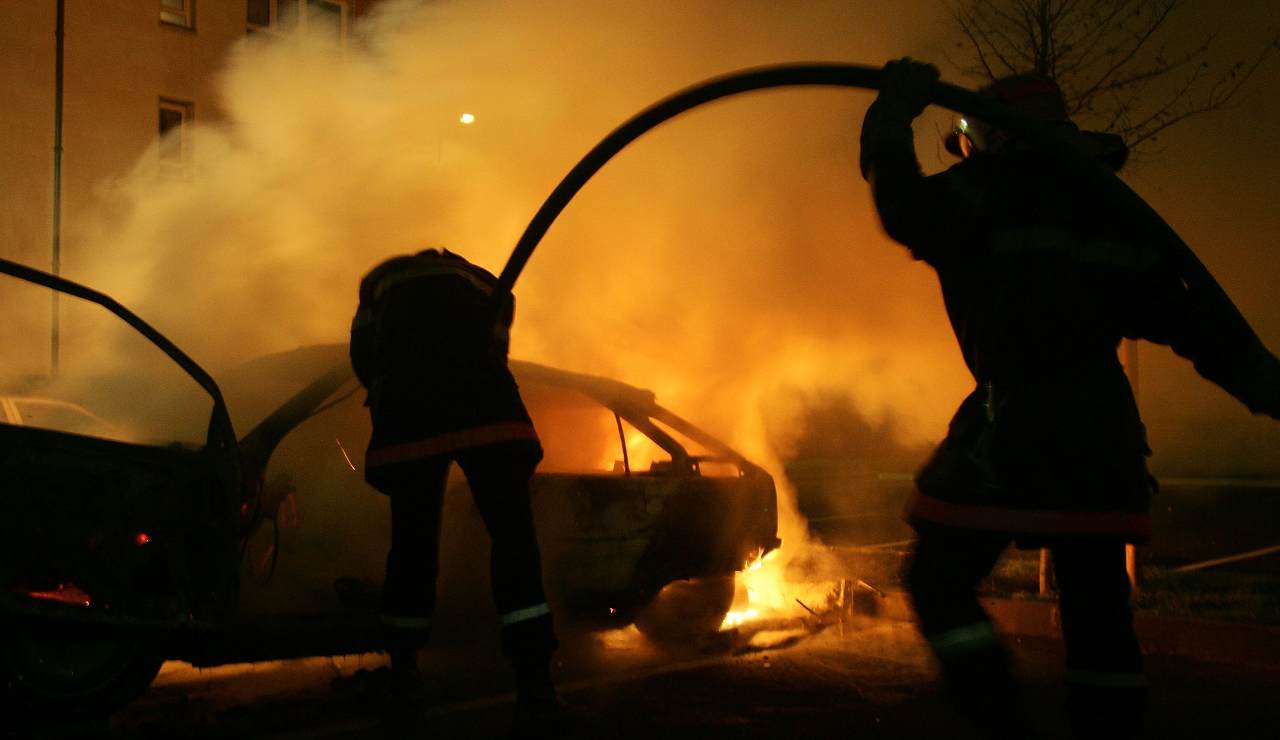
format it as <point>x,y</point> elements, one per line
<point>131,71</point>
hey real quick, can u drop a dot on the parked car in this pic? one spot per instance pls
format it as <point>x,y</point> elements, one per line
<point>629,498</point>
<point>52,413</point>
<point>116,555</point>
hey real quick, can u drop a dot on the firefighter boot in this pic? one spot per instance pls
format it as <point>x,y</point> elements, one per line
<point>406,708</point>
<point>538,712</point>
<point>528,646</point>
<point>1102,712</point>
<point>981,686</point>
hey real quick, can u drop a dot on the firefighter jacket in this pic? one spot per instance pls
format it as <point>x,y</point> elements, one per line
<point>426,345</point>
<point>1041,280</point>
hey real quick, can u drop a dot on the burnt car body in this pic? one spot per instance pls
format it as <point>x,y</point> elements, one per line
<point>675,504</point>
<point>120,554</point>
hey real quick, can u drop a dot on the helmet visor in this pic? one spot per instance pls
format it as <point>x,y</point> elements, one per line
<point>970,135</point>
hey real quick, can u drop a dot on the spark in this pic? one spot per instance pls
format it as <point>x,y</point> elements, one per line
<point>466,119</point>
<point>345,456</point>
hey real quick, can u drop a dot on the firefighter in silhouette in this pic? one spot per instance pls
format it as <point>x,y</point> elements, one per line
<point>427,346</point>
<point>1040,279</point>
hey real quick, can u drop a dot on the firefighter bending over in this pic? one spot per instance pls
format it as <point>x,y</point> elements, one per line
<point>1041,279</point>
<point>425,345</point>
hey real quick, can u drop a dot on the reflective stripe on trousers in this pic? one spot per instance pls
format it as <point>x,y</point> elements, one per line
<point>516,616</point>
<point>402,621</point>
<point>970,638</point>
<point>1135,524</point>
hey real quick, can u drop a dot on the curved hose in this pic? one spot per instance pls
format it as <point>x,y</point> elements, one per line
<point>966,102</point>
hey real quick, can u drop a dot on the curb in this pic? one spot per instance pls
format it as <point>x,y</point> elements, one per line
<point>1238,643</point>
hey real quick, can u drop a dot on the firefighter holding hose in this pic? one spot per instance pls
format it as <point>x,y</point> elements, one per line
<point>1041,279</point>
<point>427,346</point>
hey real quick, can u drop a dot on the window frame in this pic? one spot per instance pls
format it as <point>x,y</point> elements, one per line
<point>184,17</point>
<point>187,110</point>
<point>273,14</point>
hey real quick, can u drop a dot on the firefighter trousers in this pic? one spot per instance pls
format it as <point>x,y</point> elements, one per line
<point>499,476</point>
<point>1105,683</point>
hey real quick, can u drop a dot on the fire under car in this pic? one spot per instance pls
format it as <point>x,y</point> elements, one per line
<point>123,549</point>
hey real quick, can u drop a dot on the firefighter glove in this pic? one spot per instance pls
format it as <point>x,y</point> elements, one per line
<point>906,86</point>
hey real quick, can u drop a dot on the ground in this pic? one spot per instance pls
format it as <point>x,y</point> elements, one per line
<point>867,678</point>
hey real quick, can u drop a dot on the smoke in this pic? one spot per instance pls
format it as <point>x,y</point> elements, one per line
<point>726,257</point>
<point>729,260</point>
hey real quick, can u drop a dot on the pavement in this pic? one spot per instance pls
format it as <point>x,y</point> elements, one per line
<point>1229,643</point>
<point>859,677</point>
<point>862,672</point>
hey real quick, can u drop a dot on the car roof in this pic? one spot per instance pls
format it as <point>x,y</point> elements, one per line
<point>324,368</point>
<point>607,391</point>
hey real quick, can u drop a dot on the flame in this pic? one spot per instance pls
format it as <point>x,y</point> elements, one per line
<point>761,590</point>
<point>735,618</point>
<point>642,452</point>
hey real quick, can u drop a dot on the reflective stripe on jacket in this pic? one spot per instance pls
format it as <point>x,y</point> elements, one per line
<point>1123,524</point>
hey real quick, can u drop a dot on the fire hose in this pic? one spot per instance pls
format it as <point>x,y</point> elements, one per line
<point>1052,140</point>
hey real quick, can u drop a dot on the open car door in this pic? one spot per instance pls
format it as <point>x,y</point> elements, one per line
<point>112,535</point>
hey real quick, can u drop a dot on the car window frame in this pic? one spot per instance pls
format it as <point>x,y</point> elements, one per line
<point>221,434</point>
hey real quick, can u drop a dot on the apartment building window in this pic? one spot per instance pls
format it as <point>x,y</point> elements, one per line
<point>175,131</point>
<point>178,12</point>
<point>284,16</point>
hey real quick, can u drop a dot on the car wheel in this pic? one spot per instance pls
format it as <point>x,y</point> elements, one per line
<point>53,674</point>
<point>687,609</point>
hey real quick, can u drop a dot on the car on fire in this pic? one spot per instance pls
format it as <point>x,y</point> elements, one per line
<point>119,554</point>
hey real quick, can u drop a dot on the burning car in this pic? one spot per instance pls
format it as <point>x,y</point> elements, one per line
<point>629,498</point>
<point>119,554</point>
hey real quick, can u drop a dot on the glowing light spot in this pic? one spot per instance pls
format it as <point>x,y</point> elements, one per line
<point>142,538</point>
<point>734,619</point>
<point>466,119</point>
<point>65,593</point>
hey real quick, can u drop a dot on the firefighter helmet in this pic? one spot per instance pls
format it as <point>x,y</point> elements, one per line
<point>1032,95</point>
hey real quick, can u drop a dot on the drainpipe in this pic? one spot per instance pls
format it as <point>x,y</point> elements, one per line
<point>55,338</point>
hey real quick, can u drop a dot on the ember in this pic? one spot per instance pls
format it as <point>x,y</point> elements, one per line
<point>65,593</point>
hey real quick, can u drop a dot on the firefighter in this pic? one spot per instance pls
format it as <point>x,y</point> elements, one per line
<point>1040,279</point>
<point>426,345</point>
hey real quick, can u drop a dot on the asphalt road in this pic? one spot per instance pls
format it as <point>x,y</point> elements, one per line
<point>873,679</point>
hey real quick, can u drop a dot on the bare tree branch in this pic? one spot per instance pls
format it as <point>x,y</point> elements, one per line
<point>1126,58</point>
<point>977,48</point>
<point>987,47</point>
<point>1112,59</point>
